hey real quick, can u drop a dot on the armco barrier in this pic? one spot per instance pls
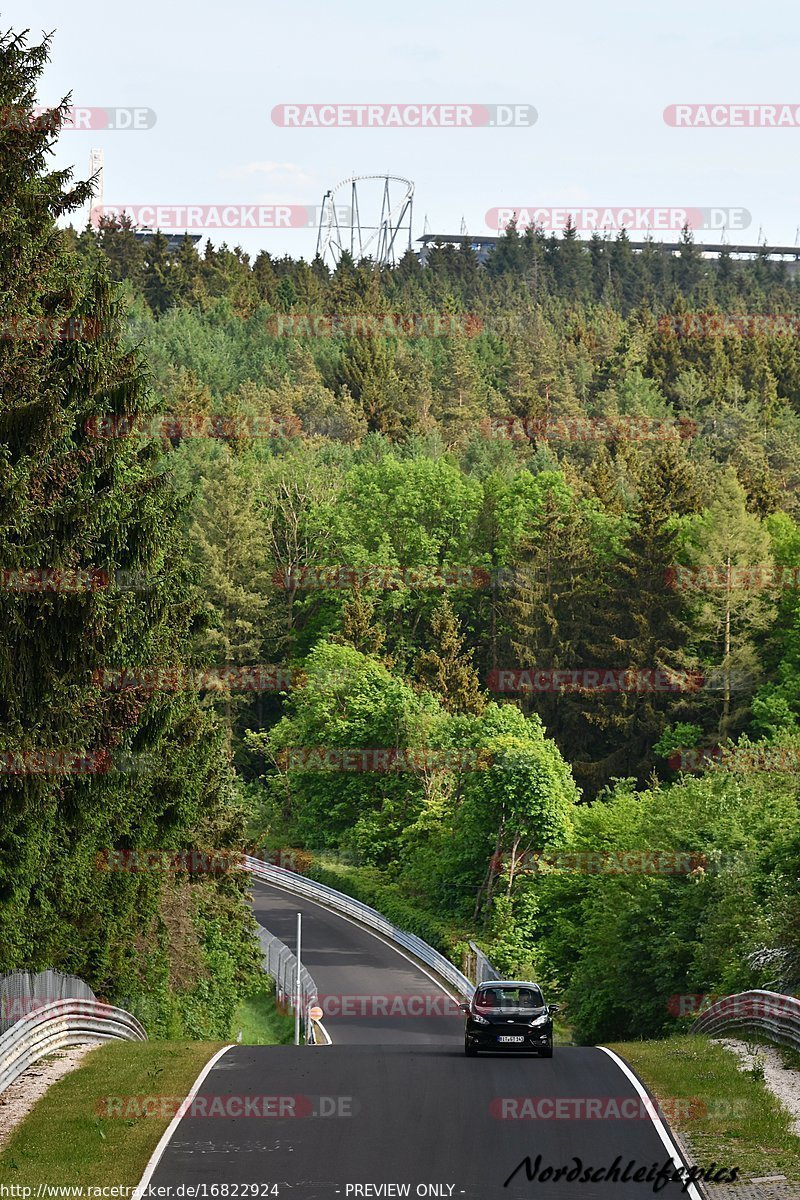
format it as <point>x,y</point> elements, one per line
<point>59,1024</point>
<point>339,902</point>
<point>771,1014</point>
<point>281,966</point>
<point>483,969</point>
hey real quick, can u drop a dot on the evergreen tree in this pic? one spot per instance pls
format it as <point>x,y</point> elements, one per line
<point>459,406</point>
<point>227,538</point>
<point>446,669</point>
<point>571,265</point>
<point>115,236</point>
<point>688,264</point>
<point>549,601</point>
<point>359,627</point>
<point>641,625</point>
<point>157,273</point>
<point>76,500</point>
<point>733,594</point>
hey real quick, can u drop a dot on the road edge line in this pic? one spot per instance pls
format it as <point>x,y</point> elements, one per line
<point>166,1137</point>
<point>665,1134</point>
<point>329,1041</point>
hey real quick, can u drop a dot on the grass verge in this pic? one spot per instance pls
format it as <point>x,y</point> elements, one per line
<point>260,1022</point>
<point>66,1138</point>
<point>723,1114</point>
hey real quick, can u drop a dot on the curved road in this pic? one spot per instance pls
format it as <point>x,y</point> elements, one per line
<point>394,1108</point>
<point>369,993</point>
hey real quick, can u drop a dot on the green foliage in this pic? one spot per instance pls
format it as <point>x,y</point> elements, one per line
<point>402,473</point>
<point>624,942</point>
<point>348,702</point>
<point>478,793</point>
<point>681,736</point>
<point>89,505</point>
<point>550,448</point>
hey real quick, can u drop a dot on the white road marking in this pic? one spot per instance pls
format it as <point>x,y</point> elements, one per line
<point>660,1127</point>
<point>166,1137</point>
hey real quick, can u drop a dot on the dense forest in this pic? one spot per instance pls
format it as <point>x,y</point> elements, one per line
<point>456,576</point>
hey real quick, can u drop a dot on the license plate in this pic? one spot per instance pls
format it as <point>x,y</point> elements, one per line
<point>506,1037</point>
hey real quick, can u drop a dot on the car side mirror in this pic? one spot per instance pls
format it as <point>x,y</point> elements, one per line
<point>463,1008</point>
<point>553,1008</point>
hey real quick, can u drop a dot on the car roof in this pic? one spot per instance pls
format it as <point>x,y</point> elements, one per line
<point>501,983</point>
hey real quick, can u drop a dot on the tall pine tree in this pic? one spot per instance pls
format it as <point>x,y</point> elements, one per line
<point>78,501</point>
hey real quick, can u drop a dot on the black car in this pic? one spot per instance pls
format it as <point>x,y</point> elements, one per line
<point>509,1015</point>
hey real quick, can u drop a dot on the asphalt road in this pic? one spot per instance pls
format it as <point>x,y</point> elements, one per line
<point>368,991</point>
<point>395,1102</point>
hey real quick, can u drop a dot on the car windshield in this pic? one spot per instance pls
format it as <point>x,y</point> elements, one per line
<point>507,998</point>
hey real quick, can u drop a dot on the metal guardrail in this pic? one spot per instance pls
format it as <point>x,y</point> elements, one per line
<point>772,1014</point>
<point>483,969</point>
<point>339,902</point>
<point>59,1024</point>
<point>281,965</point>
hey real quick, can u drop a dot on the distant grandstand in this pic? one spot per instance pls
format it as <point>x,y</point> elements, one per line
<point>482,244</point>
<point>174,240</point>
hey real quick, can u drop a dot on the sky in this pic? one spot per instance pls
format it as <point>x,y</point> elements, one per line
<point>599,76</point>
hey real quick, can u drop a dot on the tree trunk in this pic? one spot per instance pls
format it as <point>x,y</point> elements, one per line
<point>513,865</point>
<point>726,704</point>
<point>488,880</point>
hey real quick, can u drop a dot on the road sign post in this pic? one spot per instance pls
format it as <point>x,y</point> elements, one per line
<point>297,985</point>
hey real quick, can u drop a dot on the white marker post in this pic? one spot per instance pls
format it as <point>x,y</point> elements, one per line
<point>297,989</point>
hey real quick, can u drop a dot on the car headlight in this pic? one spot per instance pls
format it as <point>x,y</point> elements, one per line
<point>481,1020</point>
<point>542,1020</point>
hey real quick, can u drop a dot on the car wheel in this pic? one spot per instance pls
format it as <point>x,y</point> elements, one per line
<point>470,1051</point>
<point>547,1052</point>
